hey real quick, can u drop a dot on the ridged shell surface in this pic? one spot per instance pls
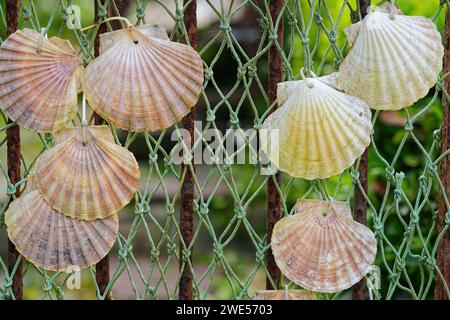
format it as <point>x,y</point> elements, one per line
<point>100,131</point>
<point>317,132</point>
<point>321,247</point>
<point>39,80</point>
<point>142,82</point>
<point>53,241</point>
<point>108,39</point>
<point>394,60</point>
<point>87,177</point>
<point>284,295</point>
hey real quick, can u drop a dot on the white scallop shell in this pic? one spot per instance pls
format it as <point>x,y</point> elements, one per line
<point>317,132</point>
<point>143,81</point>
<point>394,59</point>
<point>321,247</point>
<point>53,241</point>
<point>39,80</point>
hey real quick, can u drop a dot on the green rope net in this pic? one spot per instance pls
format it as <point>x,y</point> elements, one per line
<point>229,237</point>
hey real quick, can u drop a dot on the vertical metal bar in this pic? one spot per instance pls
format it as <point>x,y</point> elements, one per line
<point>122,6</point>
<point>273,198</point>
<point>443,254</point>
<point>13,159</point>
<point>359,203</point>
<point>102,276</point>
<point>187,188</point>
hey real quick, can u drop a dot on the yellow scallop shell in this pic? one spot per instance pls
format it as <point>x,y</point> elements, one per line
<point>317,132</point>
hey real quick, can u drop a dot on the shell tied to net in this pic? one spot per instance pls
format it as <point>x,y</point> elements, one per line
<point>394,59</point>
<point>39,80</point>
<point>53,241</point>
<point>142,81</point>
<point>317,131</point>
<point>322,248</point>
<point>87,176</point>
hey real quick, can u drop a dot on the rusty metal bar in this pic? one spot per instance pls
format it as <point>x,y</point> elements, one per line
<point>360,215</point>
<point>273,197</point>
<point>13,160</point>
<point>122,6</point>
<point>102,274</point>
<point>187,188</point>
<point>102,29</point>
<point>443,254</point>
<point>359,203</point>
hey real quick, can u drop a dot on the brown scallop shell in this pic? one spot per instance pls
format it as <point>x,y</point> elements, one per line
<point>39,80</point>
<point>87,176</point>
<point>322,248</point>
<point>142,81</point>
<point>317,131</point>
<point>394,61</point>
<point>53,241</point>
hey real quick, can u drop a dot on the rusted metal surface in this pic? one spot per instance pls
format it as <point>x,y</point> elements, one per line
<point>363,6</point>
<point>102,277</point>
<point>273,198</point>
<point>443,254</point>
<point>122,7</point>
<point>102,273</point>
<point>359,203</point>
<point>13,160</point>
<point>188,188</point>
<point>360,215</point>
<point>12,16</point>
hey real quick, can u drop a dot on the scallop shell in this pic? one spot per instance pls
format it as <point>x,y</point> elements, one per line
<point>99,131</point>
<point>321,131</point>
<point>142,81</point>
<point>39,80</point>
<point>394,60</point>
<point>87,177</point>
<point>321,247</point>
<point>53,241</point>
<point>107,40</point>
<point>284,295</point>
